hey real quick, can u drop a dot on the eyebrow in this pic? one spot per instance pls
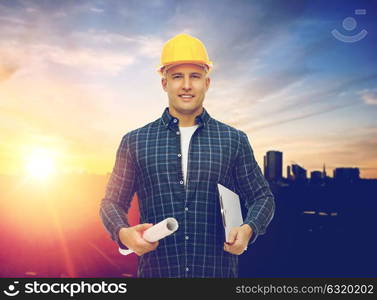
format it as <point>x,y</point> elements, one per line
<point>193,73</point>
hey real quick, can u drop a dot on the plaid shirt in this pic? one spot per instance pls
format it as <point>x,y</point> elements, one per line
<point>148,162</point>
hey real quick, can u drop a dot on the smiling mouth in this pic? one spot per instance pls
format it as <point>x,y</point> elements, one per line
<point>186,97</point>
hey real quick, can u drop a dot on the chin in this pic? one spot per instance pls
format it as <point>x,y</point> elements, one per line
<point>186,107</point>
<point>186,110</point>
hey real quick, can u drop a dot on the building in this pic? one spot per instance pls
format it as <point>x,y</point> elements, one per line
<point>289,175</point>
<point>316,177</point>
<point>346,175</point>
<point>299,173</point>
<point>273,165</point>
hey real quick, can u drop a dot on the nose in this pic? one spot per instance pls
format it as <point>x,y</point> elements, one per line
<point>186,84</point>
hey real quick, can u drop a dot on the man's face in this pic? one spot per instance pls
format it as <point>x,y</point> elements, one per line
<point>186,85</point>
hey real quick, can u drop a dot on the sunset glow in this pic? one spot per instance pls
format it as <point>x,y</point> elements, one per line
<point>40,164</point>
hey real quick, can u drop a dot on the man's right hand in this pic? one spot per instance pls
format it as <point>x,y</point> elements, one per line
<point>132,237</point>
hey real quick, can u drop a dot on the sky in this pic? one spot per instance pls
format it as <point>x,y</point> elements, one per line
<point>75,76</point>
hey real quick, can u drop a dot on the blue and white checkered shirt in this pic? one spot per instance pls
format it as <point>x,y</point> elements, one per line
<point>148,162</point>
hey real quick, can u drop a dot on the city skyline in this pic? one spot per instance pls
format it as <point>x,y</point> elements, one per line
<point>273,169</point>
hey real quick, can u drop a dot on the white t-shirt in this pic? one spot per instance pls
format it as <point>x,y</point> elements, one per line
<point>186,133</point>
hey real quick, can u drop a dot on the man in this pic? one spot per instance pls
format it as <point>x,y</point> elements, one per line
<point>174,165</point>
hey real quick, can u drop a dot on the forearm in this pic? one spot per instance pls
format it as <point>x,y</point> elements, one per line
<point>113,217</point>
<point>260,213</point>
<point>119,191</point>
<point>255,191</point>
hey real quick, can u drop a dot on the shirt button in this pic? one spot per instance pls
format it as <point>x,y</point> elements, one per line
<point>186,237</point>
<point>177,132</point>
<point>186,208</point>
<point>181,182</point>
<point>179,154</point>
<point>187,269</point>
<point>175,121</point>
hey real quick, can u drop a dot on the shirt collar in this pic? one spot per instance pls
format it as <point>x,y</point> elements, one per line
<point>168,120</point>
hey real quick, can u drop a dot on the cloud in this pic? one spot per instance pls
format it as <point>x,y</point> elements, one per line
<point>34,57</point>
<point>293,103</point>
<point>31,10</point>
<point>275,81</point>
<point>300,116</point>
<point>139,45</point>
<point>12,20</point>
<point>328,90</point>
<point>246,29</point>
<point>34,43</point>
<point>97,10</point>
<point>84,59</point>
<point>369,97</point>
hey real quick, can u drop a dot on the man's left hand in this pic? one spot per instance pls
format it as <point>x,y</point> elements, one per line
<point>238,239</point>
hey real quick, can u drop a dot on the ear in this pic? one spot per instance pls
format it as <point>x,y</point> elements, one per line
<point>164,82</point>
<point>208,82</point>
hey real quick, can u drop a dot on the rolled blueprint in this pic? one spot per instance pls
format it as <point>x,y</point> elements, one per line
<point>156,232</point>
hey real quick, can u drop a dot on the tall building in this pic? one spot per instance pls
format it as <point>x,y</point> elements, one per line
<point>324,171</point>
<point>273,165</point>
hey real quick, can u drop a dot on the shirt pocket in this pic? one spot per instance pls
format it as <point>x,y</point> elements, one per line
<point>158,166</point>
<point>216,163</point>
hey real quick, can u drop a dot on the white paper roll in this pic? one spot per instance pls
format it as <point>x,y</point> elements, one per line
<point>160,230</point>
<point>156,232</point>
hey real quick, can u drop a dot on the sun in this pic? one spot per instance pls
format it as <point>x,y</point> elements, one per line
<point>40,164</point>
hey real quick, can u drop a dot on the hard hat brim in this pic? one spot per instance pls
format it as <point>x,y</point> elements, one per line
<point>168,65</point>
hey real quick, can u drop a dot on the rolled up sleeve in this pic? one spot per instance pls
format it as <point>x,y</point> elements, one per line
<point>119,191</point>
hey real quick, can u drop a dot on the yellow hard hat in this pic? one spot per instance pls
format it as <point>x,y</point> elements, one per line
<point>184,48</point>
